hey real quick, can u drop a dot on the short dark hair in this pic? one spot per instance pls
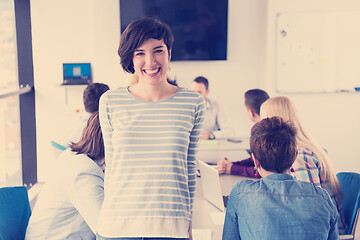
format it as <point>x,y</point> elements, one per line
<point>254,98</point>
<point>273,143</point>
<point>202,80</point>
<point>139,31</point>
<point>91,142</point>
<point>92,94</point>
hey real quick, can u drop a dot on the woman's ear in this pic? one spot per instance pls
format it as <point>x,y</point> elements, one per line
<point>256,162</point>
<point>169,55</point>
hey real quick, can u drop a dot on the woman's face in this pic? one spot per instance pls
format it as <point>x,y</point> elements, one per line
<point>151,61</point>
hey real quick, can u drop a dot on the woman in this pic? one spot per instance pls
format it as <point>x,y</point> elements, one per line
<point>68,205</point>
<point>278,206</point>
<point>151,132</point>
<point>312,163</point>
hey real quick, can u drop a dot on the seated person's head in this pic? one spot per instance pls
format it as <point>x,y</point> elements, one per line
<point>284,108</point>
<point>201,85</point>
<point>92,94</point>
<point>253,100</point>
<point>91,142</point>
<point>273,145</point>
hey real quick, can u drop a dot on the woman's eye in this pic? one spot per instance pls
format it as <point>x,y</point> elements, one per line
<point>159,51</point>
<point>139,53</point>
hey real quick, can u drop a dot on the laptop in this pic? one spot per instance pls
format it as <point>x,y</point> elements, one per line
<point>210,183</point>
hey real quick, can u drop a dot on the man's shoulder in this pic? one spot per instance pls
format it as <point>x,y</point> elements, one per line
<point>246,185</point>
<point>308,188</point>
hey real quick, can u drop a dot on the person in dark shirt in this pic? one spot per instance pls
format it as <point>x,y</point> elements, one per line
<point>253,100</point>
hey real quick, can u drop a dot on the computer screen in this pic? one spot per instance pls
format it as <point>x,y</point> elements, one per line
<point>77,73</point>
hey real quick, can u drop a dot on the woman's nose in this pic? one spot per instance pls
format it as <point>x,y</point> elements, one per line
<point>150,59</point>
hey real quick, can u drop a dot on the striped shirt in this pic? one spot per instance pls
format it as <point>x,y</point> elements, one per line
<point>150,152</point>
<point>307,168</point>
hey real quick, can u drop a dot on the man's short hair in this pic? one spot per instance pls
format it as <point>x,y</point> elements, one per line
<point>92,94</point>
<point>273,143</point>
<point>254,98</point>
<point>202,80</point>
<point>138,32</point>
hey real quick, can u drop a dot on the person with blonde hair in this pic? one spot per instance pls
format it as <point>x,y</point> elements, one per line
<point>312,163</point>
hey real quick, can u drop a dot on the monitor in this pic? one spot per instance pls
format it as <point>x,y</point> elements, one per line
<point>199,26</point>
<point>76,73</point>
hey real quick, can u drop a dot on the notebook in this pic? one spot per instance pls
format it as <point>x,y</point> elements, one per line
<point>210,183</point>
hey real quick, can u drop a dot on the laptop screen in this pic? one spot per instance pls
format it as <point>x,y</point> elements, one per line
<point>77,73</point>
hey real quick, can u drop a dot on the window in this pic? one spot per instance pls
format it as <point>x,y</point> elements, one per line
<point>17,108</point>
<point>10,155</point>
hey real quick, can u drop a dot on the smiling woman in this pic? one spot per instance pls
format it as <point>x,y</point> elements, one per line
<point>151,132</point>
<point>151,61</point>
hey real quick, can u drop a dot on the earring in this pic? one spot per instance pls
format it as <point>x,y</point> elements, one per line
<point>257,175</point>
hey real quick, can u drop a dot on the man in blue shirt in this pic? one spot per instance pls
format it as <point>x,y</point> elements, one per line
<point>278,206</point>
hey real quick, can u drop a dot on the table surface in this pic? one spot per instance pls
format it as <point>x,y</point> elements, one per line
<point>212,151</point>
<point>224,144</point>
<point>203,210</point>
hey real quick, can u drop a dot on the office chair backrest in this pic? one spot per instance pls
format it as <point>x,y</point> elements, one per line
<point>350,185</point>
<point>14,212</point>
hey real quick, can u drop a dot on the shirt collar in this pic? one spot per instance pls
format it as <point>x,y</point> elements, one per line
<point>279,176</point>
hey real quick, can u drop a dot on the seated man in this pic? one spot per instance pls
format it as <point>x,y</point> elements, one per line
<point>278,206</point>
<point>215,122</point>
<point>253,100</point>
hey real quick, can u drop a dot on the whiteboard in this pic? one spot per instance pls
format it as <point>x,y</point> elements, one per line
<point>317,52</point>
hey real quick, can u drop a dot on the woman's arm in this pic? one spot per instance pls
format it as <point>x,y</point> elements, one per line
<point>106,127</point>
<point>87,196</point>
<point>193,148</point>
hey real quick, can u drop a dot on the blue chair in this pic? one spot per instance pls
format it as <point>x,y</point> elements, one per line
<point>57,148</point>
<point>14,212</point>
<point>350,185</point>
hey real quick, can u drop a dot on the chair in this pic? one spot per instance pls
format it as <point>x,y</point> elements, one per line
<point>57,148</point>
<point>350,185</point>
<point>14,212</point>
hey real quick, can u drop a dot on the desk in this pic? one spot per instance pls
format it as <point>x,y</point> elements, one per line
<point>203,209</point>
<point>212,151</point>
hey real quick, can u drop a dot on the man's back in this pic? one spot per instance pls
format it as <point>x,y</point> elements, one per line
<point>280,207</point>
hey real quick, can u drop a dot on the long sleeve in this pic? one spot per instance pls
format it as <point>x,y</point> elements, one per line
<point>224,126</point>
<point>244,168</point>
<point>231,228</point>
<point>334,227</point>
<point>192,151</point>
<point>216,122</point>
<point>87,197</point>
<point>106,127</point>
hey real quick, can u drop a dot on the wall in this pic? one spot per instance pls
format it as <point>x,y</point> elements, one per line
<point>89,31</point>
<point>331,118</point>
